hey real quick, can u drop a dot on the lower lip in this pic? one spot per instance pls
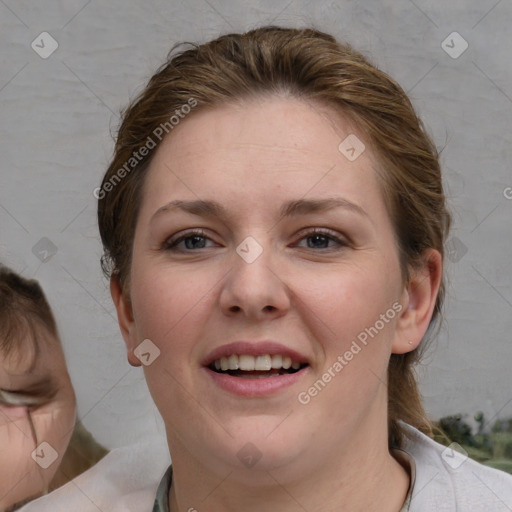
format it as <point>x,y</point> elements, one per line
<point>255,387</point>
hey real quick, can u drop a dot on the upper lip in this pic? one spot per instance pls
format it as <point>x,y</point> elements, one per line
<point>253,348</point>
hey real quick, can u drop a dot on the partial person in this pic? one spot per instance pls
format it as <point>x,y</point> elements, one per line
<point>41,448</point>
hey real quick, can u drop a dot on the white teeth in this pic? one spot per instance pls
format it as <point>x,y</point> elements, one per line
<point>263,363</point>
<point>249,363</point>
<point>233,362</point>
<point>246,363</point>
<point>277,362</point>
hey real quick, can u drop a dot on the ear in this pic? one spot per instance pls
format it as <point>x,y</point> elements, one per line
<point>418,301</point>
<point>125,319</point>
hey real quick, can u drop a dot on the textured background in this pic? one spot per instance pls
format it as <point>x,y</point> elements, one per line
<point>56,114</point>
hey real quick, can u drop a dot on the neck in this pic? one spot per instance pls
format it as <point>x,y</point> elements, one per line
<point>361,475</point>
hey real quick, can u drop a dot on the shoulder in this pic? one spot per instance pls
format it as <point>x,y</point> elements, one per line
<point>447,481</point>
<point>125,480</point>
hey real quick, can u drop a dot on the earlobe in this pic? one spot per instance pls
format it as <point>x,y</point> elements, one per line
<point>125,319</point>
<point>419,300</point>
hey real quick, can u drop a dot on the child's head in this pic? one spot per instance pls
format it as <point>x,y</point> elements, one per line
<point>37,401</point>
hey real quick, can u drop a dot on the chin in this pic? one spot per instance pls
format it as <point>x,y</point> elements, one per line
<point>259,445</point>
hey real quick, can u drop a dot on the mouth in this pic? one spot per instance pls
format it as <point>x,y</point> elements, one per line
<point>246,366</point>
<point>255,369</point>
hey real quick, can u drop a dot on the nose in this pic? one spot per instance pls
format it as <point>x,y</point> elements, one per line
<point>254,289</point>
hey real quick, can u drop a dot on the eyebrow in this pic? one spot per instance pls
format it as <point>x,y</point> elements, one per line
<point>207,208</point>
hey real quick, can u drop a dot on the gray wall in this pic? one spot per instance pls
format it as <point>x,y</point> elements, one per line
<point>56,114</point>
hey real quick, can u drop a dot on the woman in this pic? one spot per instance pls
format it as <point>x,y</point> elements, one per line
<point>41,448</point>
<point>273,222</point>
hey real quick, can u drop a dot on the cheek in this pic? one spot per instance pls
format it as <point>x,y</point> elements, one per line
<point>350,297</point>
<point>174,310</point>
<point>54,425</point>
<point>12,414</point>
<point>55,422</point>
<point>168,305</point>
<point>171,310</point>
<point>20,476</point>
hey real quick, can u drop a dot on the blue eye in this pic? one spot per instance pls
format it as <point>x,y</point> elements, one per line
<point>196,240</point>
<point>321,238</point>
<point>192,240</point>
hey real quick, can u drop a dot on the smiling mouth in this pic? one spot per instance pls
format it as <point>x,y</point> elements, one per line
<point>256,367</point>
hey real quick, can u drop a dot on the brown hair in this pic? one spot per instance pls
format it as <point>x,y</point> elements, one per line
<point>23,307</point>
<point>308,64</point>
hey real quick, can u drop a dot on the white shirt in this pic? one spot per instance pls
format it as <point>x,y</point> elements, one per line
<point>446,481</point>
<point>126,480</point>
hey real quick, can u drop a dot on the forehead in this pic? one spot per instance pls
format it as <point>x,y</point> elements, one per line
<point>251,148</point>
<point>265,123</point>
<point>33,350</point>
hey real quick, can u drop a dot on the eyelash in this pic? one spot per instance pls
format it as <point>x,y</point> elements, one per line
<point>171,245</point>
<point>20,399</point>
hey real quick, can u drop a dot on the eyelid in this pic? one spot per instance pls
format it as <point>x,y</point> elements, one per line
<point>338,237</point>
<point>16,399</point>
<point>170,242</point>
<point>34,398</point>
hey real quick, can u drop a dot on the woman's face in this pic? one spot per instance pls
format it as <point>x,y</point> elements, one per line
<point>280,245</point>
<point>33,438</point>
